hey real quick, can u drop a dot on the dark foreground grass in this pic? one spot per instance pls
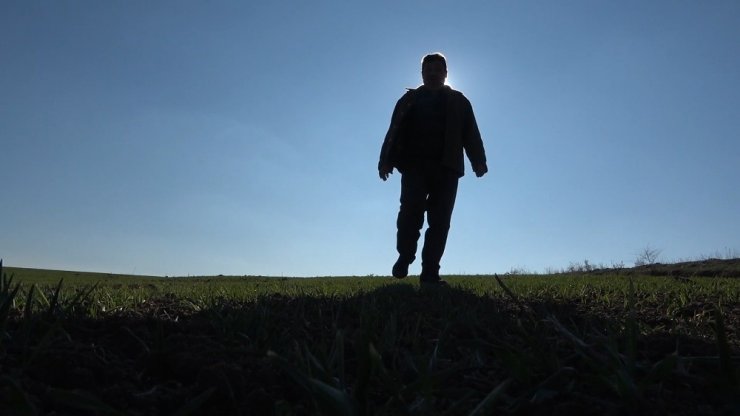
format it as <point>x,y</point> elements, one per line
<point>364,346</point>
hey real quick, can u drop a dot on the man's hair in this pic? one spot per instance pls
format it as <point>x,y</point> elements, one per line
<point>434,57</point>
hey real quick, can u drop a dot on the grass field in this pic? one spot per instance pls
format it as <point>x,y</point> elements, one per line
<point>610,342</point>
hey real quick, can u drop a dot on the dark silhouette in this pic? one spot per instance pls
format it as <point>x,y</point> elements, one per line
<point>430,127</point>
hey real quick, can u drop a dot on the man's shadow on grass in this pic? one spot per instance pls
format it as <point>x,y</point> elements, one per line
<point>396,348</point>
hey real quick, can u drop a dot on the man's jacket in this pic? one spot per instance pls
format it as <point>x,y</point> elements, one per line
<point>461,133</point>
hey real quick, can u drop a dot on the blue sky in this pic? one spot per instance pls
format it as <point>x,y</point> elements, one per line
<point>212,137</point>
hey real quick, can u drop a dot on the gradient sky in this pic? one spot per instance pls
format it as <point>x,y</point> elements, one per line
<point>213,137</point>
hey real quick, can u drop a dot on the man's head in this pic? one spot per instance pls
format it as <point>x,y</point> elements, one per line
<point>434,70</point>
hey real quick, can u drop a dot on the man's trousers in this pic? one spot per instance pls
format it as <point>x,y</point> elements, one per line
<point>430,190</point>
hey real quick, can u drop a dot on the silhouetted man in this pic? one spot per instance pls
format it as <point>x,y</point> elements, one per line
<point>430,127</point>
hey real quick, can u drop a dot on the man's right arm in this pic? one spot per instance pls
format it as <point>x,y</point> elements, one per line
<point>385,163</point>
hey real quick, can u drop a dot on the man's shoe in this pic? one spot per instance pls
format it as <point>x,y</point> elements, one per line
<point>401,268</point>
<point>429,274</point>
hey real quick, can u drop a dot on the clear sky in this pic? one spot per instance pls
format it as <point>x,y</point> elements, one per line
<point>214,137</point>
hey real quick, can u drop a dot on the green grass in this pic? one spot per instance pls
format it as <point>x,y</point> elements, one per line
<point>564,344</point>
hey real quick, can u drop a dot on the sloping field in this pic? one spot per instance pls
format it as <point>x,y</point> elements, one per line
<point>567,344</point>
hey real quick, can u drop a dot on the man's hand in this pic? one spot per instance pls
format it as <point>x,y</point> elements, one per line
<point>480,169</point>
<point>385,171</point>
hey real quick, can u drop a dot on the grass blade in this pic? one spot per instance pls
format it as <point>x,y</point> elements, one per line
<point>723,346</point>
<point>7,298</point>
<point>15,398</point>
<point>54,300</point>
<point>82,400</point>
<point>330,399</point>
<point>195,405</point>
<point>485,407</point>
<point>28,309</point>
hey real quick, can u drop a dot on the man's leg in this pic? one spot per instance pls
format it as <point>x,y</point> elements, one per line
<point>410,220</point>
<point>441,202</point>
